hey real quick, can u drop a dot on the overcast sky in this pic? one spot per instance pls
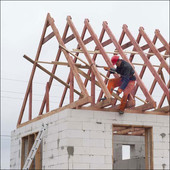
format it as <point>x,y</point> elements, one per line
<point>21,28</point>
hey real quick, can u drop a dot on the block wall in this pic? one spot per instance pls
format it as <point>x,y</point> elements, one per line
<point>82,139</point>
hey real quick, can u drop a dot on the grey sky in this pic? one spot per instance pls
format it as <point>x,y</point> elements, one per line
<point>21,28</point>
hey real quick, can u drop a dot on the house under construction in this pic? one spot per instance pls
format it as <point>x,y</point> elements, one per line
<point>82,132</point>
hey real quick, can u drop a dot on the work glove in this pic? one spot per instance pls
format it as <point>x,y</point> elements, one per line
<point>111,70</point>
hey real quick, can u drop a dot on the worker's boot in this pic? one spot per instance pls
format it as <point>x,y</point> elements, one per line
<point>121,112</point>
<point>123,104</point>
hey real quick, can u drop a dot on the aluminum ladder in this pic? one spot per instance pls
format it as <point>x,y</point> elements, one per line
<point>34,148</point>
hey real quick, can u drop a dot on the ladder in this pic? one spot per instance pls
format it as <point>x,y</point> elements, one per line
<point>34,147</point>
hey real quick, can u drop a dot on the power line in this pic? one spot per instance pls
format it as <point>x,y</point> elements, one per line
<point>23,99</point>
<point>53,85</point>
<point>24,81</point>
<point>24,93</point>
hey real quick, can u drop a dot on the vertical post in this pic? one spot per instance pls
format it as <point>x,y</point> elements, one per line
<point>112,147</point>
<point>30,144</point>
<point>151,147</point>
<point>47,97</point>
<point>23,152</point>
<point>71,86</point>
<point>146,149</point>
<point>92,88</point>
<point>30,103</point>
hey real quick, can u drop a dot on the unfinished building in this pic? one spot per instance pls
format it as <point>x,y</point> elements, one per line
<point>83,132</point>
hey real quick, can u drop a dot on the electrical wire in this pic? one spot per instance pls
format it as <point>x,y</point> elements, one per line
<point>54,85</point>
<point>23,81</point>
<point>24,93</point>
<point>23,99</point>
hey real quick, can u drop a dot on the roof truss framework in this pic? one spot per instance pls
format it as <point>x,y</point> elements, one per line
<point>93,74</point>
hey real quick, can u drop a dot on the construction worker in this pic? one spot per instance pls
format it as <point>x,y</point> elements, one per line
<point>125,82</point>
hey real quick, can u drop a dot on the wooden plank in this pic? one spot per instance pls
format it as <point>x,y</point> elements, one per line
<point>65,49</point>
<point>47,97</point>
<point>30,143</point>
<point>71,86</point>
<point>163,41</point>
<point>153,86</point>
<point>120,42</point>
<point>144,107</point>
<point>146,150</point>
<point>30,104</point>
<point>151,148</point>
<point>163,109</point>
<point>101,92</point>
<point>163,97</point>
<point>162,76</point>
<point>87,77</point>
<point>73,105</point>
<point>53,70</point>
<point>107,42</point>
<point>154,49</point>
<point>48,37</point>
<point>129,130</point>
<point>138,64</point>
<point>23,152</point>
<point>103,103</point>
<point>140,99</point>
<point>118,128</point>
<point>138,133</point>
<point>145,66</point>
<point>33,71</point>
<point>139,81</point>
<point>87,65</point>
<point>63,64</point>
<point>74,60</point>
<point>52,75</point>
<point>106,102</point>
<point>112,148</point>
<point>86,41</point>
<point>90,61</point>
<point>146,60</point>
<point>127,110</point>
<point>66,40</point>
<point>94,58</point>
<point>129,125</point>
<point>113,52</point>
<point>145,47</point>
<point>93,88</point>
<point>69,59</point>
<point>125,131</point>
<point>108,73</point>
<point>128,44</point>
<point>111,101</point>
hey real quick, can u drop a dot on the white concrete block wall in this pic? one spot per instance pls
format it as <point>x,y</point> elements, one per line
<point>89,134</point>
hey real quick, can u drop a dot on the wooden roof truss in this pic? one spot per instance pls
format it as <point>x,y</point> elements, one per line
<point>90,71</point>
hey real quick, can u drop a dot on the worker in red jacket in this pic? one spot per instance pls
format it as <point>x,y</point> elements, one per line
<point>125,82</point>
